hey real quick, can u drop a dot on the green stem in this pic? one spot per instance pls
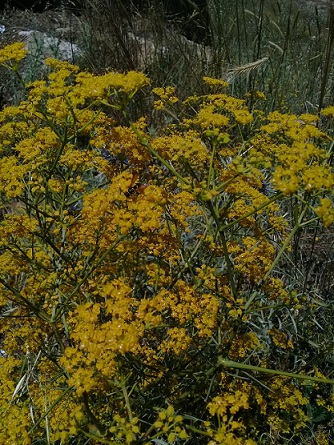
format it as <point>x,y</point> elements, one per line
<point>220,230</point>
<point>39,313</point>
<point>196,430</point>
<point>36,424</point>
<point>211,168</point>
<point>87,274</point>
<point>92,417</point>
<point>252,212</point>
<point>99,439</point>
<point>127,401</point>
<point>278,256</point>
<point>286,243</point>
<point>232,364</point>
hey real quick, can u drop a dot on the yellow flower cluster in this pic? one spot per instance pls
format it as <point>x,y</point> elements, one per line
<point>253,257</point>
<point>226,407</point>
<point>290,143</point>
<point>167,97</point>
<point>243,345</point>
<point>16,51</point>
<point>132,261</point>
<point>123,430</point>
<point>280,339</point>
<point>182,148</point>
<point>212,113</point>
<point>283,403</point>
<point>285,397</point>
<point>169,424</point>
<point>228,404</point>
<point>326,211</point>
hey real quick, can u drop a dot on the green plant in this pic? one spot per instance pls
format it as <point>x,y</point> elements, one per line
<point>132,312</point>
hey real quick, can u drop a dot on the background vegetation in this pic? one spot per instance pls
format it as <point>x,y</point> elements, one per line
<point>287,44</point>
<point>170,247</point>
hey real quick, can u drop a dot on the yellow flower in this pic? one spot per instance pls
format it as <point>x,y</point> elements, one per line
<point>325,211</point>
<point>328,112</point>
<point>215,82</point>
<point>207,118</point>
<point>15,51</point>
<point>280,339</point>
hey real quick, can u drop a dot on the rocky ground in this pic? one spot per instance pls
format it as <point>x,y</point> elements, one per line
<point>60,23</point>
<point>322,4</point>
<point>66,25</point>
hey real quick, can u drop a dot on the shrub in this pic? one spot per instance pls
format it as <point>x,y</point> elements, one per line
<point>139,283</point>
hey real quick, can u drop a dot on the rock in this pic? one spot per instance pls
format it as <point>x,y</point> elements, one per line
<point>41,46</point>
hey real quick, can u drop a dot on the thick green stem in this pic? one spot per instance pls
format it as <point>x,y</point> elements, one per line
<point>232,364</point>
<point>211,167</point>
<point>220,230</point>
<point>127,401</point>
<point>101,429</point>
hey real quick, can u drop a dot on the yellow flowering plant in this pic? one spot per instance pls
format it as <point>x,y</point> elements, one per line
<point>134,265</point>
